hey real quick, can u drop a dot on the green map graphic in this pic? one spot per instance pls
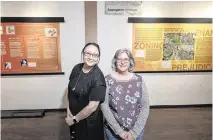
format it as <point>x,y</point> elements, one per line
<point>178,46</point>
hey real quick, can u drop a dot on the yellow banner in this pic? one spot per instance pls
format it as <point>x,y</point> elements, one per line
<point>172,47</point>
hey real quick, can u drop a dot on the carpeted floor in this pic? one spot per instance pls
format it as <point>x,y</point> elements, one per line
<point>162,124</point>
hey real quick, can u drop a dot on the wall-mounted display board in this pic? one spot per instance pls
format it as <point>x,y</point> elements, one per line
<point>30,45</point>
<point>172,44</point>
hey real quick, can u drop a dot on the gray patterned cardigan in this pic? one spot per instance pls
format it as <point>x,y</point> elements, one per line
<point>142,117</point>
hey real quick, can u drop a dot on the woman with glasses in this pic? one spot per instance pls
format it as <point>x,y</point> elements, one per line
<point>126,105</point>
<point>86,90</point>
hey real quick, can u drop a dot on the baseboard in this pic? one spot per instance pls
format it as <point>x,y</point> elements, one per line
<point>151,107</point>
<point>181,106</point>
<point>56,110</point>
<point>11,114</point>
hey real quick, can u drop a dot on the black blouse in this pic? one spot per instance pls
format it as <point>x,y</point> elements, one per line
<point>83,88</point>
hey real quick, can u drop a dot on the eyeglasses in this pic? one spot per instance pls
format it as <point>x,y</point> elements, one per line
<point>119,60</point>
<point>89,54</point>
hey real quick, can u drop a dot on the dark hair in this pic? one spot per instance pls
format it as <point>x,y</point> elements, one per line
<point>94,44</point>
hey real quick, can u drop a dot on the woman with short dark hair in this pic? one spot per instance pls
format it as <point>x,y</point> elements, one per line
<point>86,90</point>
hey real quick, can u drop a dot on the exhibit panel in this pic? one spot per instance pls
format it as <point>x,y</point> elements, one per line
<point>30,47</point>
<point>172,45</point>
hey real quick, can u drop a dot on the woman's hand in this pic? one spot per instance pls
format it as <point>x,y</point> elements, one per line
<point>123,135</point>
<point>69,114</point>
<point>129,136</point>
<point>69,121</point>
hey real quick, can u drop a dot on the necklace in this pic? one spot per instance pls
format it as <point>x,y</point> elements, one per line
<point>82,70</point>
<point>76,82</point>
